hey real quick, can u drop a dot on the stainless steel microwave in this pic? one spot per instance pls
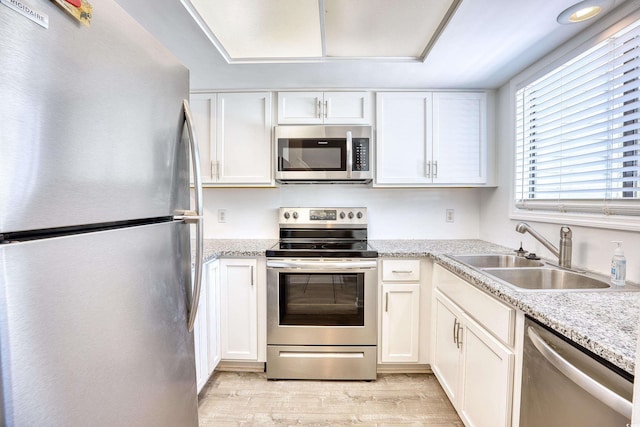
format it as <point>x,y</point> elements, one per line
<point>316,153</point>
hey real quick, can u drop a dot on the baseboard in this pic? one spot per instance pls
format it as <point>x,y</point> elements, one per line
<point>404,368</point>
<point>387,368</point>
<point>240,366</point>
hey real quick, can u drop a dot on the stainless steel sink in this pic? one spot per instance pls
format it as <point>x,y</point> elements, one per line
<point>546,279</point>
<point>497,261</point>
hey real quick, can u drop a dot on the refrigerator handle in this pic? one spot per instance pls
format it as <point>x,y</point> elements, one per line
<point>195,216</point>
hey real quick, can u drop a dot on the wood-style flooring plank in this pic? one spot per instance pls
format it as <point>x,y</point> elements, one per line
<point>249,399</point>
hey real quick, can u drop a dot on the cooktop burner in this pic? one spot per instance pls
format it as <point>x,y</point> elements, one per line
<point>323,232</point>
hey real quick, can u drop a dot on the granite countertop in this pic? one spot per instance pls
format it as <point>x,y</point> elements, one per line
<point>606,323</point>
<point>216,248</point>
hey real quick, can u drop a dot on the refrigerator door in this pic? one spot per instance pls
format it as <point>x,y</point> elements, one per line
<point>92,121</point>
<point>93,329</point>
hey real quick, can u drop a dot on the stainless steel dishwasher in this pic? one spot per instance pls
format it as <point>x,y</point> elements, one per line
<point>564,386</point>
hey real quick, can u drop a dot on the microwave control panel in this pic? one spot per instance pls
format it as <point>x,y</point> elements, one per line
<point>360,154</point>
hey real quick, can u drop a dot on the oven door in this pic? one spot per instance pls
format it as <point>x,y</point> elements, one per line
<point>313,158</point>
<point>321,302</point>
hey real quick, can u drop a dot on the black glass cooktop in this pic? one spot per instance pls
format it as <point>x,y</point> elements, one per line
<point>318,249</point>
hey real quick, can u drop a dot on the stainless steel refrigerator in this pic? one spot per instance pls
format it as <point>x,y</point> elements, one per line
<point>95,260</point>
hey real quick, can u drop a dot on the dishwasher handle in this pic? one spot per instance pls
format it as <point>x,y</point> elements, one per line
<point>588,384</point>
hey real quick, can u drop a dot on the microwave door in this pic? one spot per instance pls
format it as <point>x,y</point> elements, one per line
<point>312,159</point>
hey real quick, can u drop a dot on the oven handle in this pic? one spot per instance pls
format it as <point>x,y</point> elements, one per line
<point>324,265</point>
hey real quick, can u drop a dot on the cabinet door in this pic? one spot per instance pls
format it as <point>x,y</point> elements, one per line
<point>300,107</point>
<point>403,121</point>
<point>203,110</point>
<point>239,318</point>
<point>486,379</point>
<point>347,108</point>
<point>200,335</point>
<point>459,138</point>
<point>446,353</point>
<point>400,322</point>
<point>213,316</point>
<point>243,138</point>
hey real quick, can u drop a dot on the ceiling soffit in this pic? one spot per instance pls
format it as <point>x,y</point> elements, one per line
<point>259,31</point>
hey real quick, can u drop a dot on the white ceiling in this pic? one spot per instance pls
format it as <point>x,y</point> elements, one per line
<point>302,30</point>
<point>485,44</point>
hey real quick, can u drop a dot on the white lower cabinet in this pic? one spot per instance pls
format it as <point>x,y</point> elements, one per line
<point>400,322</point>
<point>213,316</point>
<point>239,309</point>
<point>405,297</point>
<point>487,369</point>
<point>445,362</point>
<point>200,341</point>
<point>206,329</point>
<point>474,367</point>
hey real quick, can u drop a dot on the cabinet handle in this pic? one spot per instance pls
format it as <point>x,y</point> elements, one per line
<point>460,328</point>
<point>386,303</point>
<point>435,168</point>
<point>218,170</point>
<point>455,329</point>
<point>252,276</point>
<point>326,108</point>
<point>427,169</point>
<point>402,271</point>
<point>318,108</point>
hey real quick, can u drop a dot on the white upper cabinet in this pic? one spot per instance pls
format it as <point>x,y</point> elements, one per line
<point>203,110</point>
<point>234,134</point>
<point>403,137</point>
<point>431,138</point>
<point>459,138</point>
<point>324,108</point>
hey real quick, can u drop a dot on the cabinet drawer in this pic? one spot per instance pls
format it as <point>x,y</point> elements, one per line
<point>401,270</point>
<point>496,317</point>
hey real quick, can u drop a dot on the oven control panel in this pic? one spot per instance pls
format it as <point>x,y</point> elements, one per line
<point>323,216</point>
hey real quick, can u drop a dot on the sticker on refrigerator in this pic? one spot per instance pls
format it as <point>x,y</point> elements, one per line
<point>26,10</point>
<point>79,9</point>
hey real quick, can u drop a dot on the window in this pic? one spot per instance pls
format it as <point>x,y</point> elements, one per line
<point>578,132</point>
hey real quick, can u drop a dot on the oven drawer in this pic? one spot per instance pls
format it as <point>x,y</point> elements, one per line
<point>401,270</point>
<point>321,362</point>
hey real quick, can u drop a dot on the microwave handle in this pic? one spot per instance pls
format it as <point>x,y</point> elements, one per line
<point>349,155</point>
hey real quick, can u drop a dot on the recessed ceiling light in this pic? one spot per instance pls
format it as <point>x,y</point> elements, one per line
<point>583,11</point>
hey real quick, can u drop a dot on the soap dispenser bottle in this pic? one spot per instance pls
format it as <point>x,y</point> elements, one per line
<point>618,265</point>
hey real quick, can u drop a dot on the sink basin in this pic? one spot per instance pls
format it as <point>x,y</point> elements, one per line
<point>546,279</point>
<point>497,261</point>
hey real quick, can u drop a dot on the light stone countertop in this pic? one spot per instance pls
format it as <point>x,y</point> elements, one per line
<point>217,248</point>
<point>605,323</point>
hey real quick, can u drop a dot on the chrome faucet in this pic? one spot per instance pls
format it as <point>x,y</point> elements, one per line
<point>563,254</point>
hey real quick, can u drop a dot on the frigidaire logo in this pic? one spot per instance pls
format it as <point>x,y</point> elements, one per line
<point>23,7</point>
<point>32,14</point>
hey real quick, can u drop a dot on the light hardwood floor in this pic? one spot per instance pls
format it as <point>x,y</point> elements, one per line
<point>249,399</point>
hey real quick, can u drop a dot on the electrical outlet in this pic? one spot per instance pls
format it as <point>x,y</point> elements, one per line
<point>222,215</point>
<point>450,215</point>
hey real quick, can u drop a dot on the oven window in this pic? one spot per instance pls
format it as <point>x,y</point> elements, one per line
<point>322,299</point>
<point>312,155</point>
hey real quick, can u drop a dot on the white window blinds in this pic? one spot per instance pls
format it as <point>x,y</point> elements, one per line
<point>577,132</point>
